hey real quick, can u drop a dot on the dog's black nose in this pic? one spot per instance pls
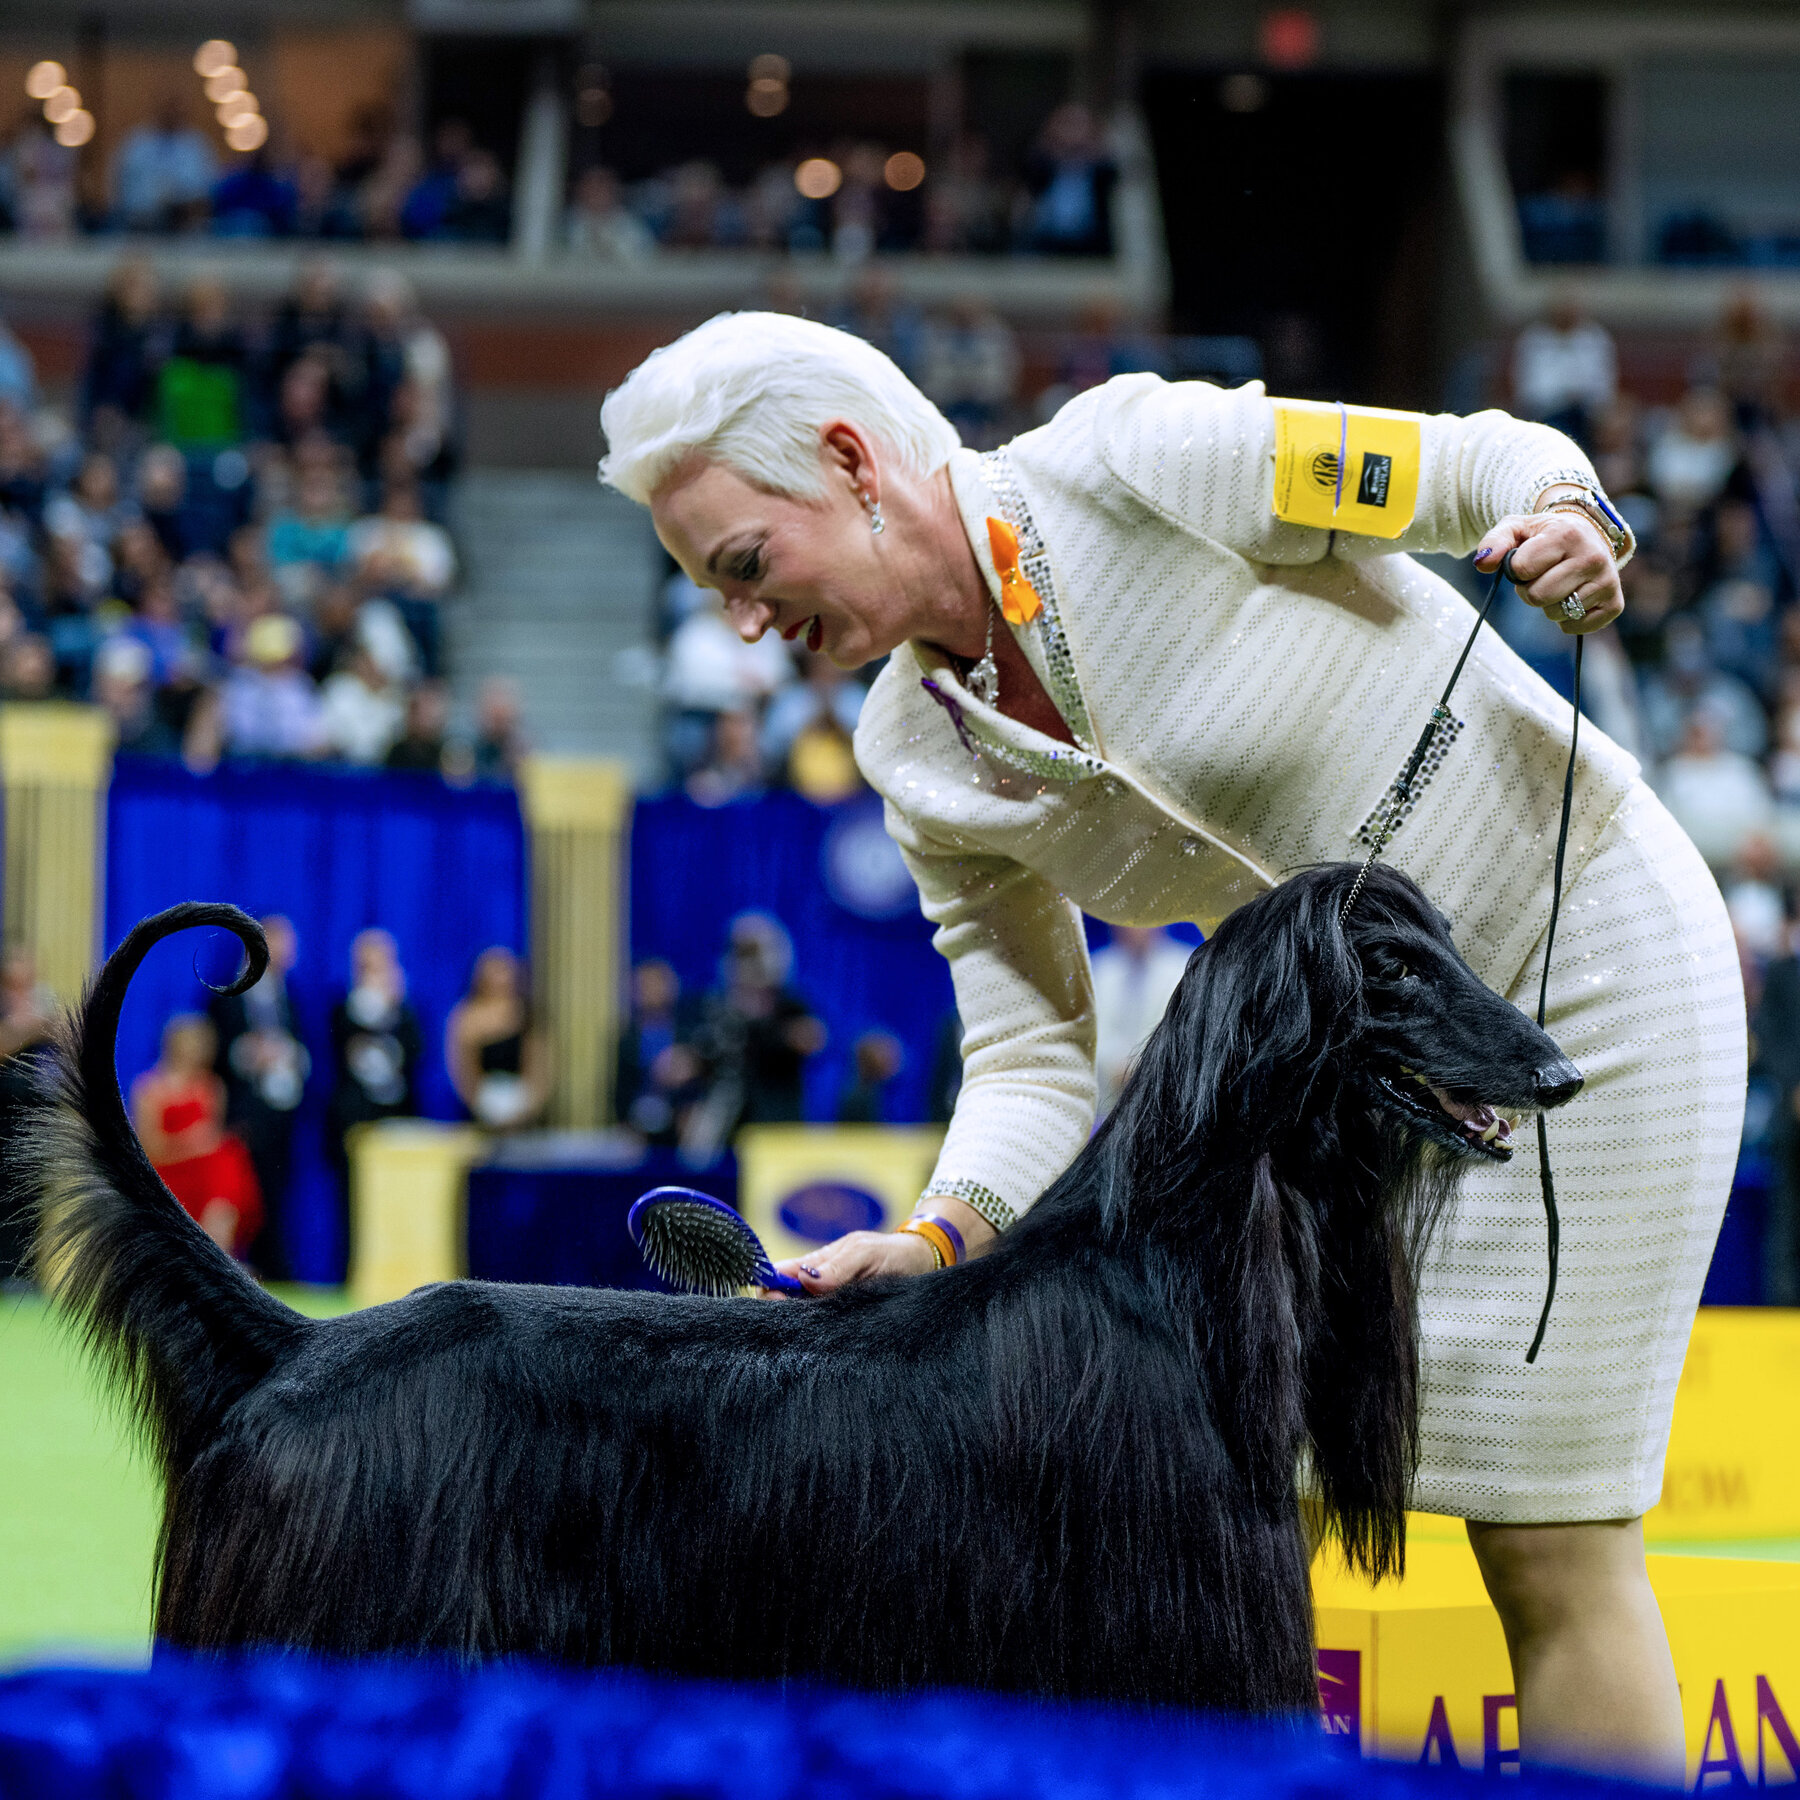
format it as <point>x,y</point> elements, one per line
<point>1556,1082</point>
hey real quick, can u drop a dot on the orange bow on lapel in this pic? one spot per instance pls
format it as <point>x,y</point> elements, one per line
<point>1019,602</point>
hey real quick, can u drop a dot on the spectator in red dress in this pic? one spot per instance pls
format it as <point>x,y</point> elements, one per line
<point>178,1108</point>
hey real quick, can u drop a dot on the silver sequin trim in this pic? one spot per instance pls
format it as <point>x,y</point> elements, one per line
<point>977,1199</point>
<point>1441,741</point>
<point>1034,559</point>
<point>1046,765</point>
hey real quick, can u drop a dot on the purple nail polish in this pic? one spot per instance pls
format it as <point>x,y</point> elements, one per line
<point>807,1269</point>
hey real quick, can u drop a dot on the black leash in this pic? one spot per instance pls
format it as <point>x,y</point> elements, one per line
<point>1551,1221</point>
<point>1440,716</point>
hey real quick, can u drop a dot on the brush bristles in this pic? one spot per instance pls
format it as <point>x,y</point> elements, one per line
<point>698,1248</point>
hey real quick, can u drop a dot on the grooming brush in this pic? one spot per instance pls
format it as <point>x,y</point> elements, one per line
<point>698,1243</point>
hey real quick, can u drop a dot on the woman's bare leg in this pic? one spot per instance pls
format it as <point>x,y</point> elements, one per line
<point>1591,1666</point>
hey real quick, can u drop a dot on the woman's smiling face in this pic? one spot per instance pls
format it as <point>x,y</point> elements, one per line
<point>810,569</point>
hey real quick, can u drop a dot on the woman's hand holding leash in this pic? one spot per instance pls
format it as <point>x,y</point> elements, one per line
<point>1557,555</point>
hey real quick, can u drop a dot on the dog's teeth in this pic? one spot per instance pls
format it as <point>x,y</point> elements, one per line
<point>1492,1132</point>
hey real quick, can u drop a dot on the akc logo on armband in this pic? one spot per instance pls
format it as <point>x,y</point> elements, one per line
<point>1346,468</point>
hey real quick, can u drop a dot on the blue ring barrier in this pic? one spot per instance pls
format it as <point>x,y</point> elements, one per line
<point>270,1727</point>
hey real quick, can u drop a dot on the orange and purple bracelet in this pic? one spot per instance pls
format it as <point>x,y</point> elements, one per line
<point>943,1237</point>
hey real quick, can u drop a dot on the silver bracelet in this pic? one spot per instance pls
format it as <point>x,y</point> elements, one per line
<point>1599,512</point>
<point>984,1202</point>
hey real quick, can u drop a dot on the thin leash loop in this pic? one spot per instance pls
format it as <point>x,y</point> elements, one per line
<point>1552,1224</point>
<point>1389,823</point>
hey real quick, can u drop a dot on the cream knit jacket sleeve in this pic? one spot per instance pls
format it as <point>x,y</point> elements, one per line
<point>1019,965</point>
<point>1202,457</point>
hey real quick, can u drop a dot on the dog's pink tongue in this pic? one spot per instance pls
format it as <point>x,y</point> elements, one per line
<point>1461,1112</point>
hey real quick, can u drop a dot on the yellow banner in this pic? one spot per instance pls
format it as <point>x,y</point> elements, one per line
<point>1417,1670</point>
<point>1346,468</point>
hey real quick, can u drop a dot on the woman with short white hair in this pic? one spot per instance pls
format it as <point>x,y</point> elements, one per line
<point>1148,660</point>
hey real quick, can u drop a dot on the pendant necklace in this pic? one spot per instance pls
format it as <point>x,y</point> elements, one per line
<point>983,678</point>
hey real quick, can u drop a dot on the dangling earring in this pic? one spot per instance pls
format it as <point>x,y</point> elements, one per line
<point>877,524</point>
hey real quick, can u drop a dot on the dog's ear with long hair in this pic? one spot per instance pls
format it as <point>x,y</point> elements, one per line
<point>1362,1379</point>
<point>1373,1219</point>
<point>1222,1082</point>
<point>1276,985</point>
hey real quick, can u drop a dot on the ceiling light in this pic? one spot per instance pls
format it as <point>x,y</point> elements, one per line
<point>766,97</point>
<point>212,56</point>
<point>236,110</point>
<point>65,103</point>
<point>44,78</point>
<point>903,171</point>
<point>818,178</point>
<point>76,129</point>
<point>770,68</point>
<point>593,107</point>
<point>229,80</point>
<point>250,133</point>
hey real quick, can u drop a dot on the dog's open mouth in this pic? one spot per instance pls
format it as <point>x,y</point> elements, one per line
<point>1467,1126</point>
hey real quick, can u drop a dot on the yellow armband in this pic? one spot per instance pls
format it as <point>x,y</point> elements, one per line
<point>1346,468</point>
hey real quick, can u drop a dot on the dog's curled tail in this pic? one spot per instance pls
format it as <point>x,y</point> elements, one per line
<point>182,1329</point>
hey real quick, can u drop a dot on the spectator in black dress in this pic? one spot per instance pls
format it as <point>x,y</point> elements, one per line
<point>27,1011</point>
<point>498,1056</point>
<point>375,1043</point>
<point>264,1066</point>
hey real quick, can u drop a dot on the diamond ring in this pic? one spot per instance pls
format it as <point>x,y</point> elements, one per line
<point>1572,609</point>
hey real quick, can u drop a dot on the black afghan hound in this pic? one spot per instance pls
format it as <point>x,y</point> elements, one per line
<point>1068,1467</point>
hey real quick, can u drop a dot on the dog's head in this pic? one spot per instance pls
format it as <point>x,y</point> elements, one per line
<point>1370,1024</point>
<point>1441,1056</point>
<point>1295,1126</point>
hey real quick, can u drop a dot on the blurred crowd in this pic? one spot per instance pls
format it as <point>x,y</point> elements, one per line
<point>860,199</point>
<point>236,545</point>
<point>1709,655</point>
<point>1710,693</point>
<point>167,176</point>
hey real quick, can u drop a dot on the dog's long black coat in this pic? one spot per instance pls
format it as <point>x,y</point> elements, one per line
<point>1068,1467</point>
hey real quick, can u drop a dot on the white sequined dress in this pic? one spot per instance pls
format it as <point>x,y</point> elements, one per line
<point>1243,691</point>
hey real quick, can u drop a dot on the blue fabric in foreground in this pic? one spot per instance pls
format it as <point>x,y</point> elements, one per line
<point>337,850</point>
<point>268,1728</point>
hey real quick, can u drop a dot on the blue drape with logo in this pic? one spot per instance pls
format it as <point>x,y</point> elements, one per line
<point>336,851</point>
